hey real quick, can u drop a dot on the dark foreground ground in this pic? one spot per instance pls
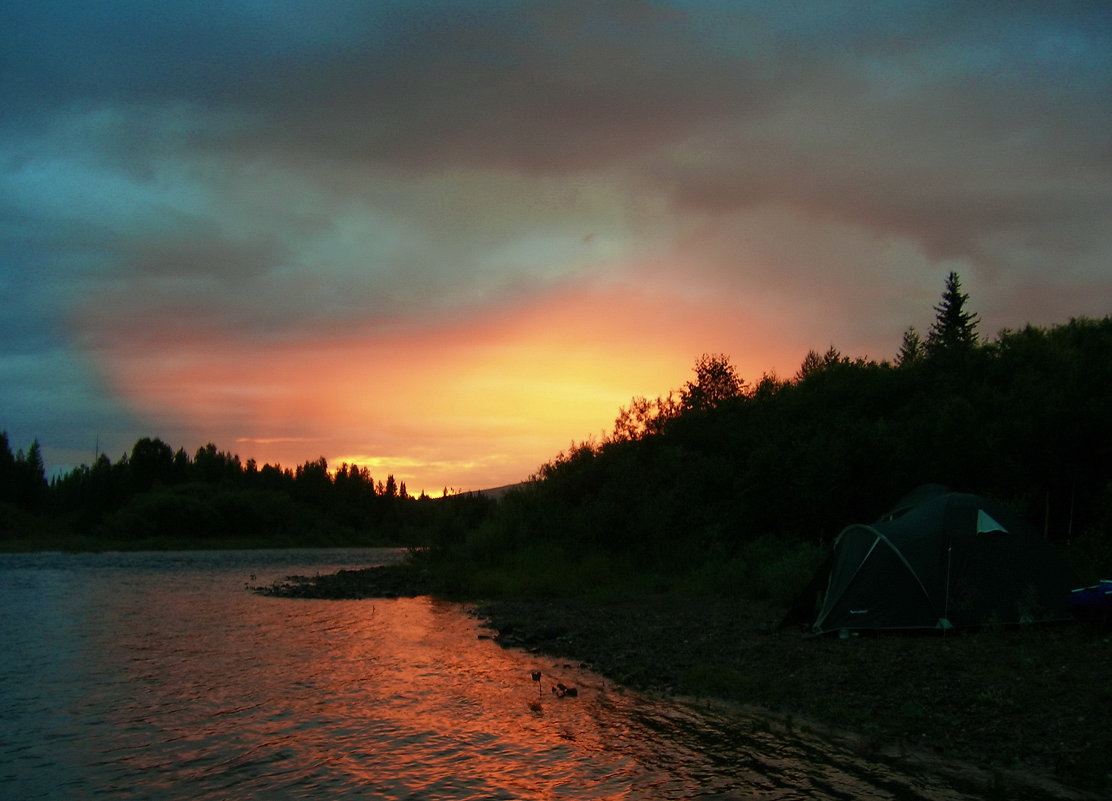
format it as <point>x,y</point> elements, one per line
<point>1022,702</point>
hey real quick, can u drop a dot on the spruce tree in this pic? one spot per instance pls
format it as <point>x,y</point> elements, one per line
<point>30,478</point>
<point>954,329</point>
<point>7,470</point>
<point>911,348</point>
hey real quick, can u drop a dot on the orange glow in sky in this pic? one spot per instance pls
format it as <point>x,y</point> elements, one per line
<point>464,404</point>
<point>447,245</point>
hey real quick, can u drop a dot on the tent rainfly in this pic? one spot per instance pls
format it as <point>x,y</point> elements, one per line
<point>940,560</point>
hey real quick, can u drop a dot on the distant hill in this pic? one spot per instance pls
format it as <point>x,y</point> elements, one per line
<point>497,492</point>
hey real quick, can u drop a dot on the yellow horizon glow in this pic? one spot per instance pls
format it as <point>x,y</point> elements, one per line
<point>468,404</point>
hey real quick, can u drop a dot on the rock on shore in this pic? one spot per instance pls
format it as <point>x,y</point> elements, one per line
<point>1027,703</point>
<point>384,581</point>
<point>1031,701</point>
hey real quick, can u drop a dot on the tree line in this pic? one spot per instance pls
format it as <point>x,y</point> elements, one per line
<point>22,476</point>
<point>720,482</point>
<point>723,481</point>
<point>161,497</point>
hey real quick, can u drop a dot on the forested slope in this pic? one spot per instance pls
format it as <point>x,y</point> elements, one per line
<point>723,483</point>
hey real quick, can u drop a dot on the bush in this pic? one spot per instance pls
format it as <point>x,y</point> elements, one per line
<point>176,514</point>
<point>264,515</point>
<point>767,568</point>
<point>19,525</point>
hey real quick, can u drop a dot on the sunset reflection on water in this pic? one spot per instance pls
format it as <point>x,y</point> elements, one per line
<point>391,698</point>
<point>153,676</point>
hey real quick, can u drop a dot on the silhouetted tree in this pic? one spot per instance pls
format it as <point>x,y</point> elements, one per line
<point>643,417</point>
<point>273,477</point>
<point>811,363</point>
<point>716,380</point>
<point>182,466</point>
<point>7,470</point>
<point>912,348</point>
<point>152,462</point>
<point>212,466</point>
<point>954,329</point>
<point>312,482</point>
<point>767,387</point>
<point>30,478</point>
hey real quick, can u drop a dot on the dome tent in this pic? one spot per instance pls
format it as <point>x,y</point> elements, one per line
<point>942,559</point>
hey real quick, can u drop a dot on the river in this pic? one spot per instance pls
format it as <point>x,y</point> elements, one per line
<point>162,676</point>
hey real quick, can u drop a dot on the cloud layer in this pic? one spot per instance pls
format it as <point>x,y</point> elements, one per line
<point>448,238</point>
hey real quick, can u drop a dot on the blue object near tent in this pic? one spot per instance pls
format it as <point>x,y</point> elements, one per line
<point>1092,604</point>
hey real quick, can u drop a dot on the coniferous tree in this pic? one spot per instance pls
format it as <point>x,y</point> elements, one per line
<point>911,348</point>
<point>7,470</point>
<point>811,364</point>
<point>954,329</point>
<point>30,478</point>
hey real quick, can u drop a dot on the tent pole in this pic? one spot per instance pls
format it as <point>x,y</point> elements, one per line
<point>946,603</point>
<point>1046,517</point>
<point>1073,504</point>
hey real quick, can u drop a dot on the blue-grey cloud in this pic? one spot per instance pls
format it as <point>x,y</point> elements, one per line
<point>289,169</point>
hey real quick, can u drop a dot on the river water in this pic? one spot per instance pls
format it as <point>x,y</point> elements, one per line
<point>161,676</point>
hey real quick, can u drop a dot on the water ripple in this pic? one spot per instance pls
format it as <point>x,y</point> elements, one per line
<point>147,676</point>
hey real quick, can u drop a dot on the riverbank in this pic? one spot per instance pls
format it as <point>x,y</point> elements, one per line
<point>1032,701</point>
<point>70,542</point>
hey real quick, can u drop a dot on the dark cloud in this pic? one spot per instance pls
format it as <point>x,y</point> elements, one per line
<point>517,88</point>
<point>530,86</point>
<point>521,85</point>
<point>986,131</point>
<point>212,171</point>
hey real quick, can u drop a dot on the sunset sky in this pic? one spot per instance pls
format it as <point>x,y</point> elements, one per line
<point>446,239</point>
